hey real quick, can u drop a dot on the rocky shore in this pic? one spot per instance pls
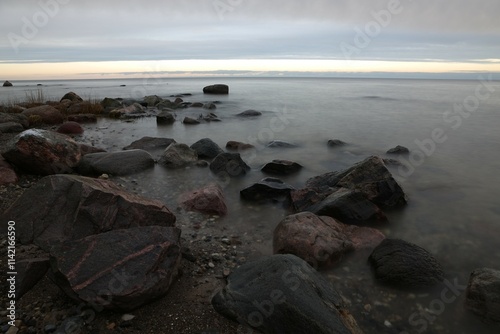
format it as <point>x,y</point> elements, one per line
<point>94,256</point>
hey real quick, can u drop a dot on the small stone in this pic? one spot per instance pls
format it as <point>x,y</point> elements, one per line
<point>111,326</point>
<point>104,177</point>
<point>226,241</point>
<point>49,328</point>
<point>12,330</point>
<point>387,323</point>
<point>226,272</point>
<point>368,308</point>
<point>127,317</point>
<point>211,264</point>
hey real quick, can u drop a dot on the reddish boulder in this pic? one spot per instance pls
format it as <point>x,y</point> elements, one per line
<point>70,128</point>
<point>42,152</point>
<point>319,240</point>
<point>69,207</point>
<point>209,199</point>
<point>46,114</point>
<point>7,173</point>
<point>118,270</point>
<point>238,146</point>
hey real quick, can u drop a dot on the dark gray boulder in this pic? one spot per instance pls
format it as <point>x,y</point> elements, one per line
<point>11,127</point>
<point>108,103</point>
<point>206,148</point>
<point>398,150</point>
<point>483,294</point>
<point>216,89</point>
<point>73,97</point>
<point>139,266</point>
<point>281,167</point>
<point>350,207</point>
<point>190,121</point>
<point>150,144</point>
<point>402,264</point>
<point>249,113</point>
<point>16,118</point>
<point>115,163</point>
<point>165,118</point>
<point>178,156</point>
<point>283,294</point>
<point>280,144</point>
<point>336,143</point>
<point>267,189</point>
<point>229,164</point>
<point>370,176</point>
<point>7,84</point>
<point>69,207</point>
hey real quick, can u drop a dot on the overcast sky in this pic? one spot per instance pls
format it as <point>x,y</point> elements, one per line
<point>334,33</point>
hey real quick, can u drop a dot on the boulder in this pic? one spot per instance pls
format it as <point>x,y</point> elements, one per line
<point>280,144</point>
<point>206,148</point>
<point>238,146</point>
<point>190,121</point>
<point>282,167</point>
<point>249,113</point>
<point>178,156</point>
<point>42,152</point>
<point>196,105</point>
<point>209,106</point>
<point>283,294</point>
<point>335,143</point>
<point>152,100</point>
<point>70,207</point>
<point>266,189</point>
<point>109,103</point>
<point>483,294</point>
<point>321,241</point>
<point>46,114</point>
<point>209,199</point>
<point>370,177</point>
<point>132,110</point>
<point>216,89</point>
<point>403,264</point>
<point>88,149</point>
<point>165,117</point>
<point>16,118</point>
<point>139,266</point>
<point>304,199</point>
<point>150,144</point>
<point>29,272</point>
<point>115,163</point>
<point>83,118</point>
<point>70,128</point>
<point>398,150</point>
<point>350,207</point>
<point>11,127</point>
<point>229,164</point>
<point>7,84</point>
<point>7,173</point>
<point>73,97</point>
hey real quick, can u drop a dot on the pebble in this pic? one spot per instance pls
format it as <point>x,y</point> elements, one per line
<point>387,323</point>
<point>49,328</point>
<point>368,308</point>
<point>127,317</point>
<point>12,330</point>
<point>211,265</point>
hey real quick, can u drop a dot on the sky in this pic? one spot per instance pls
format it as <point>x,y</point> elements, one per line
<point>70,39</point>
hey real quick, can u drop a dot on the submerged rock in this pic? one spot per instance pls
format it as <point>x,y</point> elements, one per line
<point>249,113</point>
<point>42,152</point>
<point>483,294</point>
<point>238,146</point>
<point>209,199</point>
<point>321,241</point>
<point>216,89</point>
<point>403,264</point>
<point>280,144</point>
<point>335,143</point>
<point>283,294</point>
<point>139,266</point>
<point>282,167</point>
<point>69,207</point>
<point>178,156</point>
<point>164,118</point>
<point>190,121</point>
<point>150,144</point>
<point>398,150</point>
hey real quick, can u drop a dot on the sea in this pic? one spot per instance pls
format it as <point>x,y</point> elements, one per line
<point>451,127</point>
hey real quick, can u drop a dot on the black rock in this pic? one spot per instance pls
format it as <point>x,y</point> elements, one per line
<point>29,272</point>
<point>229,164</point>
<point>283,294</point>
<point>281,167</point>
<point>165,117</point>
<point>280,144</point>
<point>398,150</point>
<point>7,84</point>
<point>403,264</point>
<point>483,294</point>
<point>216,89</point>
<point>249,113</point>
<point>266,189</point>
<point>150,144</point>
<point>206,148</point>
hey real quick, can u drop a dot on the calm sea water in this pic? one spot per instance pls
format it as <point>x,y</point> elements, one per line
<point>451,177</point>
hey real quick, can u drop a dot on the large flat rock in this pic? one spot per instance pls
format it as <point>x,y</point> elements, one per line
<point>116,163</point>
